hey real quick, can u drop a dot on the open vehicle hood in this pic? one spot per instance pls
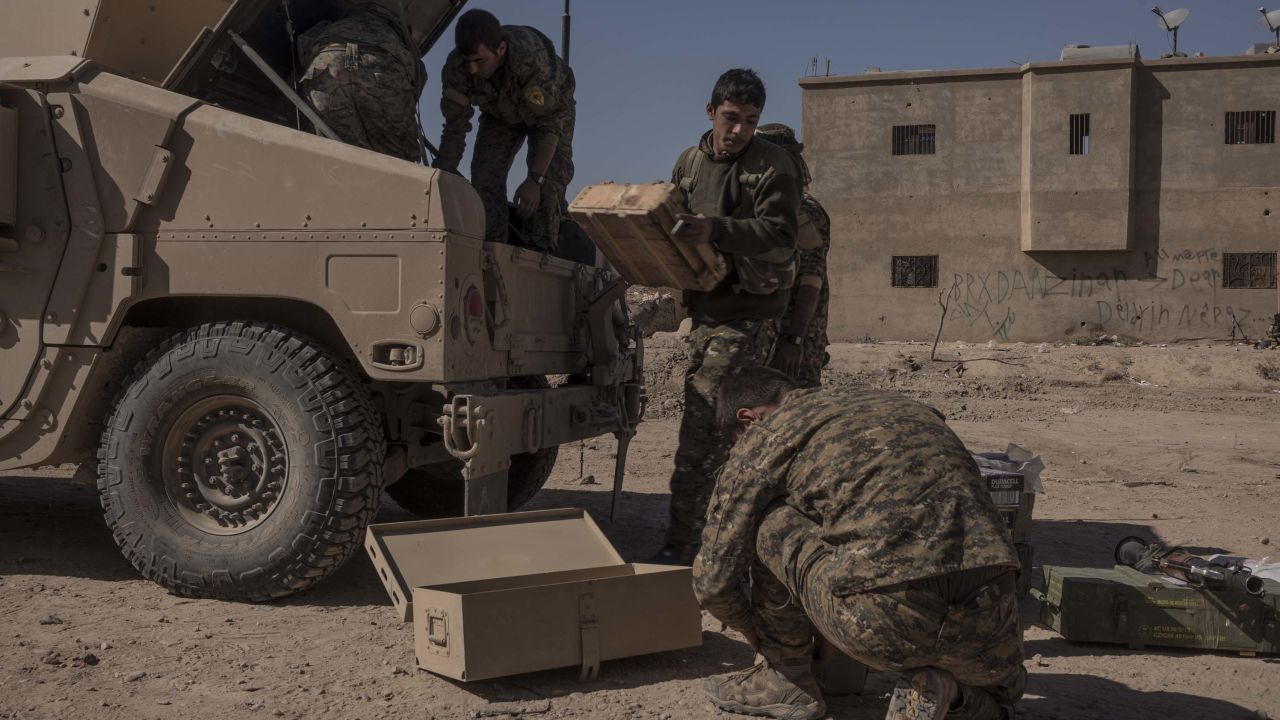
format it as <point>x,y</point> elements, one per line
<point>172,42</point>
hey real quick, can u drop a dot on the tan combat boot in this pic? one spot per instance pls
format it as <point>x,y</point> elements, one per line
<point>785,693</point>
<point>925,695</point>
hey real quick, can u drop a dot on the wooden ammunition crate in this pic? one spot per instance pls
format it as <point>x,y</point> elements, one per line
<point>631,224</point>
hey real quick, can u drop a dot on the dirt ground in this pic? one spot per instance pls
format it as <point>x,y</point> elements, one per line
<point>1178,443</point>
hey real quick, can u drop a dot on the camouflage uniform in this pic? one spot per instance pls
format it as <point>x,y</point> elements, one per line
<point>530,96</point>
<point>813,273</point>
<point>813,242</point>
<point>363,78</point>
<point>731,329</point>
<point>860,512</point>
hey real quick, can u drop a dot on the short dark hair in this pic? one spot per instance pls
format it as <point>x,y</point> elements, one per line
<point>475,28</point>
<point>748,387</point>
<point>741,86</point>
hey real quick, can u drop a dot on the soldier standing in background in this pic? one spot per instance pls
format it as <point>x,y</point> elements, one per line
<point>743,195</point>
<point>363,76</point>
<point>524,90</point>
<point>857,513</point>
<point>801,347</point>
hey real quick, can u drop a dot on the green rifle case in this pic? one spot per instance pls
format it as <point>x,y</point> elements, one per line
<point>1131,608</point>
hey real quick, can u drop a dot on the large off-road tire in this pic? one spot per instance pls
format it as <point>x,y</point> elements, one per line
<point>437,491</point>
<point>240,462</point>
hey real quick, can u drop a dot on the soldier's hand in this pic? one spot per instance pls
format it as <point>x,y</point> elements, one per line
<point>528,197</point>
<point>787,358</point>
<point>693,228</point>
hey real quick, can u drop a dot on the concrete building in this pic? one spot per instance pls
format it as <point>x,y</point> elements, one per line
<point>1051,201</point>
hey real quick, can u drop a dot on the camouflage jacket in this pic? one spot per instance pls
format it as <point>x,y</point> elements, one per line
<point>813,244</point>
<point>369,26</point>
<point>894,494</point>
<point>533,88</point>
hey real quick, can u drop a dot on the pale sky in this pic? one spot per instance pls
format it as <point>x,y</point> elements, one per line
<point>645,68</point>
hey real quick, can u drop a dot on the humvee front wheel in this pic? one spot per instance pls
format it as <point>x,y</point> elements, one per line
<point>241,462</point>
<point>437,491</point>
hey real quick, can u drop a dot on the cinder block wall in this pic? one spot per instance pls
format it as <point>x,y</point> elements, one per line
<point>1034,243</point>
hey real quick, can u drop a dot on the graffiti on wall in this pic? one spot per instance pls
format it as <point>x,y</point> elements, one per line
<point>990,298</point>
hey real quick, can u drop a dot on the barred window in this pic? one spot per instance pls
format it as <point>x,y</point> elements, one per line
<point>919,271</point>
<point>1079,142</point>
<point>1252,271</point>
<point>1251,127</point>
<point>914,139</point>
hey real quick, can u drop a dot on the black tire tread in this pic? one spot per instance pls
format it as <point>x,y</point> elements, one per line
<point>337,400</point>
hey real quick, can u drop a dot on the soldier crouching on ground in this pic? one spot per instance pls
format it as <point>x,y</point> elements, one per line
<point>801,348</point>
<point>363,77</point>
<point>744,197</point>
<point>860,515</point>
<point>524,90</point>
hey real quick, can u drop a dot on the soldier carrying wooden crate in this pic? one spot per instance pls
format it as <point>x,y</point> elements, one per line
<point>743,197</point>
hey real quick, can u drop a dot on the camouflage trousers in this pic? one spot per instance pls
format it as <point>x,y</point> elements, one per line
<point>714,350</point>
<point>965,623</point>
<point>367,97</point>
<point>815,358</point>
<point>496,146</point>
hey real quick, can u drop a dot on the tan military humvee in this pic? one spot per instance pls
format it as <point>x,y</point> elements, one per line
<point>244,330</point>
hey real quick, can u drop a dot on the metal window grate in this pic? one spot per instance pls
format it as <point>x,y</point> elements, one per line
<point>914,139</point>
<point>915,271</point>
<point>1253,271</point>
<point>1251,127</point>
<point>1079,144</point>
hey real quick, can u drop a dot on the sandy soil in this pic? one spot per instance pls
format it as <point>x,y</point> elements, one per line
<point>1171,442</point>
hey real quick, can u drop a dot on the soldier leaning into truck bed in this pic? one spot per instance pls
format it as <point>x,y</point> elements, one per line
<point>743,197</point>
<point>363,77</point>
<point>857,513</point>
<point>524,90</point>
<point>801,346</point>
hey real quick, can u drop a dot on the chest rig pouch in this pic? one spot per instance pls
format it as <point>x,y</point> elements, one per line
<point>760,275</point>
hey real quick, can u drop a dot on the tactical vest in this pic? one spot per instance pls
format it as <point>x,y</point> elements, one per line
<point>760,275</point>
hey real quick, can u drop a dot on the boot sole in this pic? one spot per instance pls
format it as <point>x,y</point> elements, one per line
<point>779,712</point>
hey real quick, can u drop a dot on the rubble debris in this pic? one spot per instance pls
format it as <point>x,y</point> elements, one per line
<point>514,709</point>
<point>51,620</point>
<point>653,309</point>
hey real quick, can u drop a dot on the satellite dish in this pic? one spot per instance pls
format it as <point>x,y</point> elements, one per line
<point>1270,21</point>
<point>1170,21</point>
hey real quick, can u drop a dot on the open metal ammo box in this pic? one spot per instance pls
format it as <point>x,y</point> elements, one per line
<point>497,595</point>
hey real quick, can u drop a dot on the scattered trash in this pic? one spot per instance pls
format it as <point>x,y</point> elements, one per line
<point>588,480</point>
<point>1042,348</point>
<point>50,620</point>
<point>134,676</point>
